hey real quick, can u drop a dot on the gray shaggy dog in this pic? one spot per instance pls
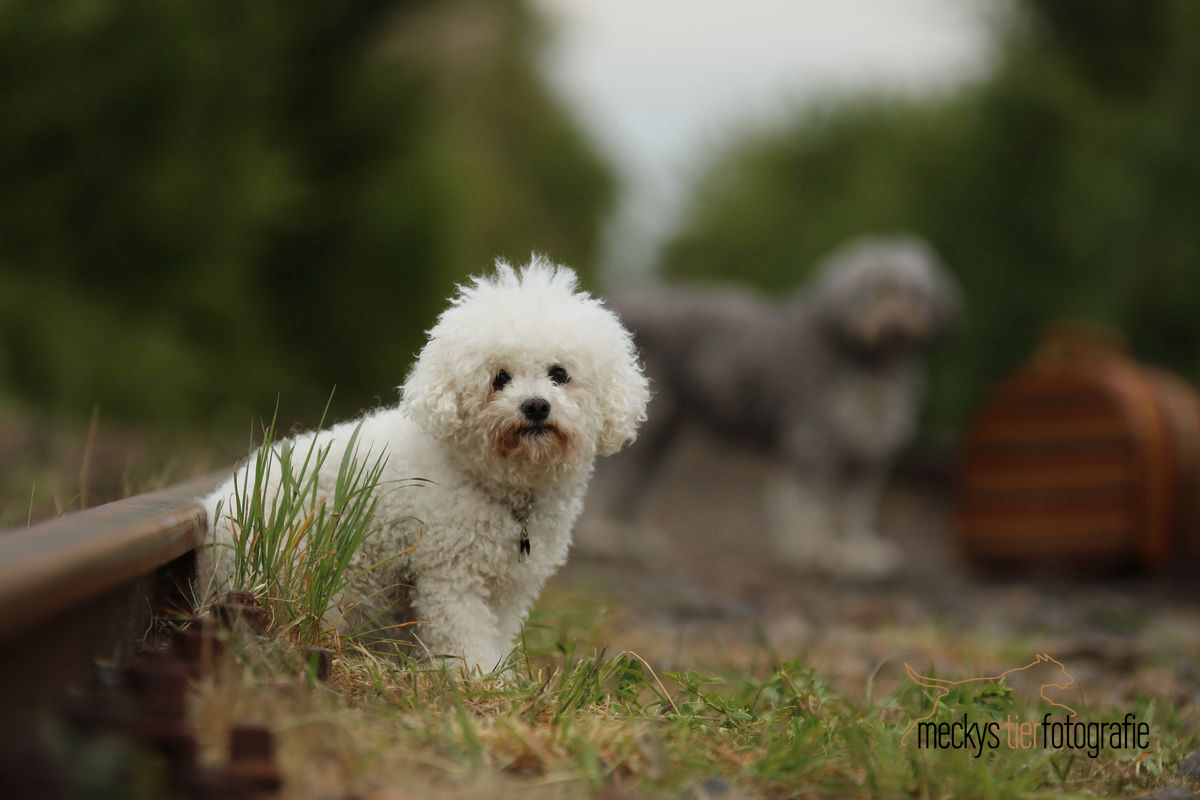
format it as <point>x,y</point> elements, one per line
<point>828,381</point>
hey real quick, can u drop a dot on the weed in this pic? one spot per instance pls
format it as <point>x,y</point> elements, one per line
<point>294,539</point>
<point>570,719</point>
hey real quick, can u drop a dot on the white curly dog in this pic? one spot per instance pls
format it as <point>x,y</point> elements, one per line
<point>523,382</point>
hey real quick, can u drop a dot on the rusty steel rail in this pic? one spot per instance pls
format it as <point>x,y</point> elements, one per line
<point>54,566</point>
<point>81,590</point>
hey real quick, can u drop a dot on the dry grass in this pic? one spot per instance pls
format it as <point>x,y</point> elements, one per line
<point>53,468</point>
<point>569,720</point>
<point>577,716</point>
<point>292,543</point>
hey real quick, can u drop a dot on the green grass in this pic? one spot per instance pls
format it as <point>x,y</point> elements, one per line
<point>55,468</point>
<point>571,718</point>
<point>578,715</point>
<point>572,715</point>
<point>293,539</point>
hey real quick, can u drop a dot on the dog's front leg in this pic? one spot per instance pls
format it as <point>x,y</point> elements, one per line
<point>858,503</point>
<point>457,621</point>
<point>801,523</point>
<point>864,552</point>
<point>512,609</point>
<point>801,511</point>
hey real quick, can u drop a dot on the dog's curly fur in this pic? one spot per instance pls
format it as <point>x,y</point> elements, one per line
<point>463,428</point>
<point>828,380</point>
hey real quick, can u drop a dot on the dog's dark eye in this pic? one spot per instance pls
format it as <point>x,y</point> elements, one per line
<point>558,375</point>
<point>501,380</point>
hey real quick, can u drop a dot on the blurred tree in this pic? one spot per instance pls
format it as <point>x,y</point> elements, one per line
<point>1066,183</point>
<point>204,205</point>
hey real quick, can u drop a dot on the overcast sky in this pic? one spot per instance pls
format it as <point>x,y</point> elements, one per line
<point>659,82</point>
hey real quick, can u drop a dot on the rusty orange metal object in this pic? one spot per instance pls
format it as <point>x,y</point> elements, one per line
<point>57,565</point>
<point>82,590</point>
<point>1084,458</point>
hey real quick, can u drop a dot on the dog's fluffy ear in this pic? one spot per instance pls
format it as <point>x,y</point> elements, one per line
<point>431,396</point>
<point>623,400</point>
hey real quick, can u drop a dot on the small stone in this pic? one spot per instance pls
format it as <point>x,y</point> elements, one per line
<point>716,789</point>
<point>197,645</point>
<point>1171,793</point>
<point>1190,767</point>
<point>252,760</point>
<point>247,742</point>
<point>320,661</point>
<point>257,618</point>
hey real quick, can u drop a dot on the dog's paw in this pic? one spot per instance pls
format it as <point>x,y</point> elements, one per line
<point>864,557</point>
<point>799,523</point>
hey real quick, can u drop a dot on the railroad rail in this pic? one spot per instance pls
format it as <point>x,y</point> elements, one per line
<point>81,590</point>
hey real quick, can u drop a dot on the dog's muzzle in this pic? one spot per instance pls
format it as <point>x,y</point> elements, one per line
<point>536,409</point>
<point>537,429</point>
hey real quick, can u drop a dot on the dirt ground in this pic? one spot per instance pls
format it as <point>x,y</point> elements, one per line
<point>695,587</point>
<point>699,590</point>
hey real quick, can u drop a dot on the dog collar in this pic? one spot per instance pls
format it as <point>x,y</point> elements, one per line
<point>520,510</point>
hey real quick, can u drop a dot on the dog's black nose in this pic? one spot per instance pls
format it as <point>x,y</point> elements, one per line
<point>536,409</point>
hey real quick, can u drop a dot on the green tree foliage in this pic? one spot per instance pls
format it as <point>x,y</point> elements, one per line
<point>1065,183</point>
<point>206,204</point>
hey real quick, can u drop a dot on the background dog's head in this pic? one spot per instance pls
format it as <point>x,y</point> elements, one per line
<point>885,297</point>
<point>528,376</point>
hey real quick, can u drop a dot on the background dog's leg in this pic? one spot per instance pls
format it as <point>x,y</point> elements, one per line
<point>636,475</point>
<point>634,469</point>
<point>863,552</point>
<point>625,484</point>
<point>801,524</point>
<point>859,502</point>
